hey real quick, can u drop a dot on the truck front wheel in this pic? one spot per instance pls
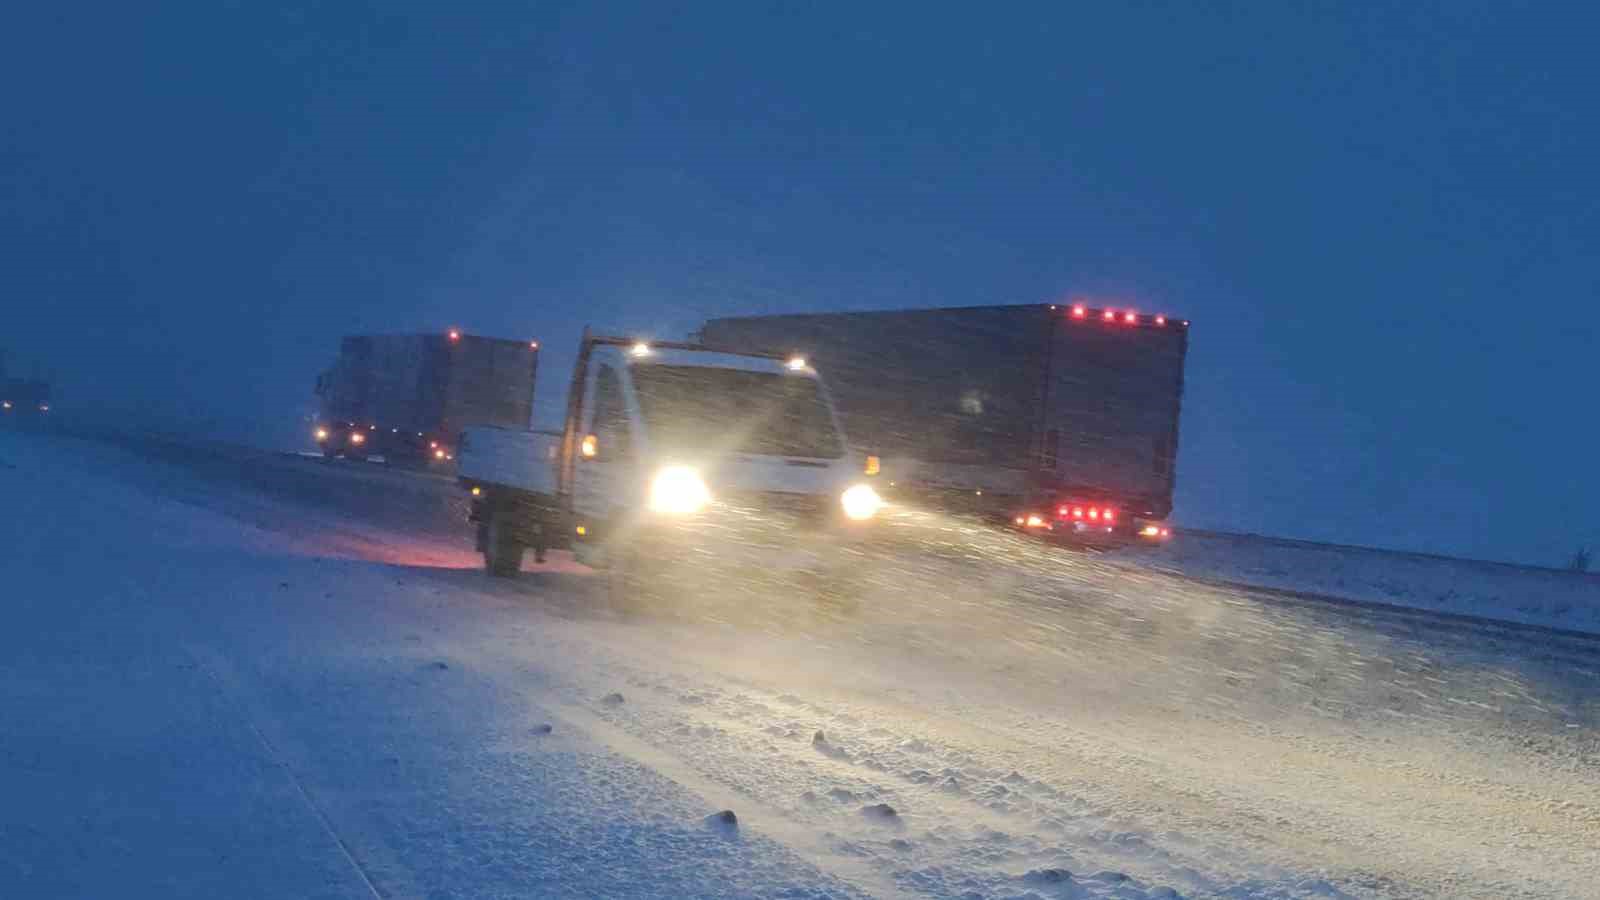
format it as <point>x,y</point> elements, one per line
<point>502,553</point>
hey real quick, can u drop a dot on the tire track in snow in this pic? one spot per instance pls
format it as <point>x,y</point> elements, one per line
<point>771,823</point>
<point>213,666</point>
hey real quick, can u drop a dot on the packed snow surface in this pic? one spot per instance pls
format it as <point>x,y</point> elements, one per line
<point>232,675</point>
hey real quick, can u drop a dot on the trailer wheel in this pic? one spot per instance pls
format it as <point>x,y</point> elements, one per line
<point>502,554</point>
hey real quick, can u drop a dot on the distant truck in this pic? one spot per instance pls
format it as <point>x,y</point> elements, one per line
<point>406,397</point>
<point>1059,418</point>
<point>672,454</point>
<point>22,398</point>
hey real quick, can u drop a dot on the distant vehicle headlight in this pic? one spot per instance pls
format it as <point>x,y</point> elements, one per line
<point>861,502</point>
<point>322,434</point>
<point>357,437</point>
<point>678,490</point>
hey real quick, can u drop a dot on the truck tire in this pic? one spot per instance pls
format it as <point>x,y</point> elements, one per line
<point>502,554</point>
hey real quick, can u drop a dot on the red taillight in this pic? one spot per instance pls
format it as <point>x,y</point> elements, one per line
<point>455,335</point>
<point>1094,512</point>
<point>1080,311</point>
<point>1109,316</point>
<point>1111,515</point>
<point>1062,511</point>
<point>1161,320</point>
<point>1077,512</point>
<point>1131,318</point>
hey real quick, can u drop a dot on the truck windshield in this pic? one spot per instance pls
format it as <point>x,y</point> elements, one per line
<point>735,410</point>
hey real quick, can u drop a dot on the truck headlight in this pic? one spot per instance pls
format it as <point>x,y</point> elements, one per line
<point>678,490</point>
<point>861,502</point>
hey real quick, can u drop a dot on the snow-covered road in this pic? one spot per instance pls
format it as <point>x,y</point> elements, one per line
<point>234,676</point>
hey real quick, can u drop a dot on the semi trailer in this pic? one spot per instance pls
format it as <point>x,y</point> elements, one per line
<point>405,397</point>
<point>1057,417</point>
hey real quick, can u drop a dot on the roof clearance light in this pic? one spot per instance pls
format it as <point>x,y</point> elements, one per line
<point>1108,315</point>
<point>640,349</point>
<point>455,335</point>
<point>1079,311</point>
<point>797,364</point>
<point>1131,318</point>
<point>1161,320</point>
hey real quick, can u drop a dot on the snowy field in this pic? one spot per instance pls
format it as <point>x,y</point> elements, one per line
<point>258,676</point>
<point>1545,597</point>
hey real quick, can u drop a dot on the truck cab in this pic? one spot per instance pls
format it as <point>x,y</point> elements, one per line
<point>669,449</point>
